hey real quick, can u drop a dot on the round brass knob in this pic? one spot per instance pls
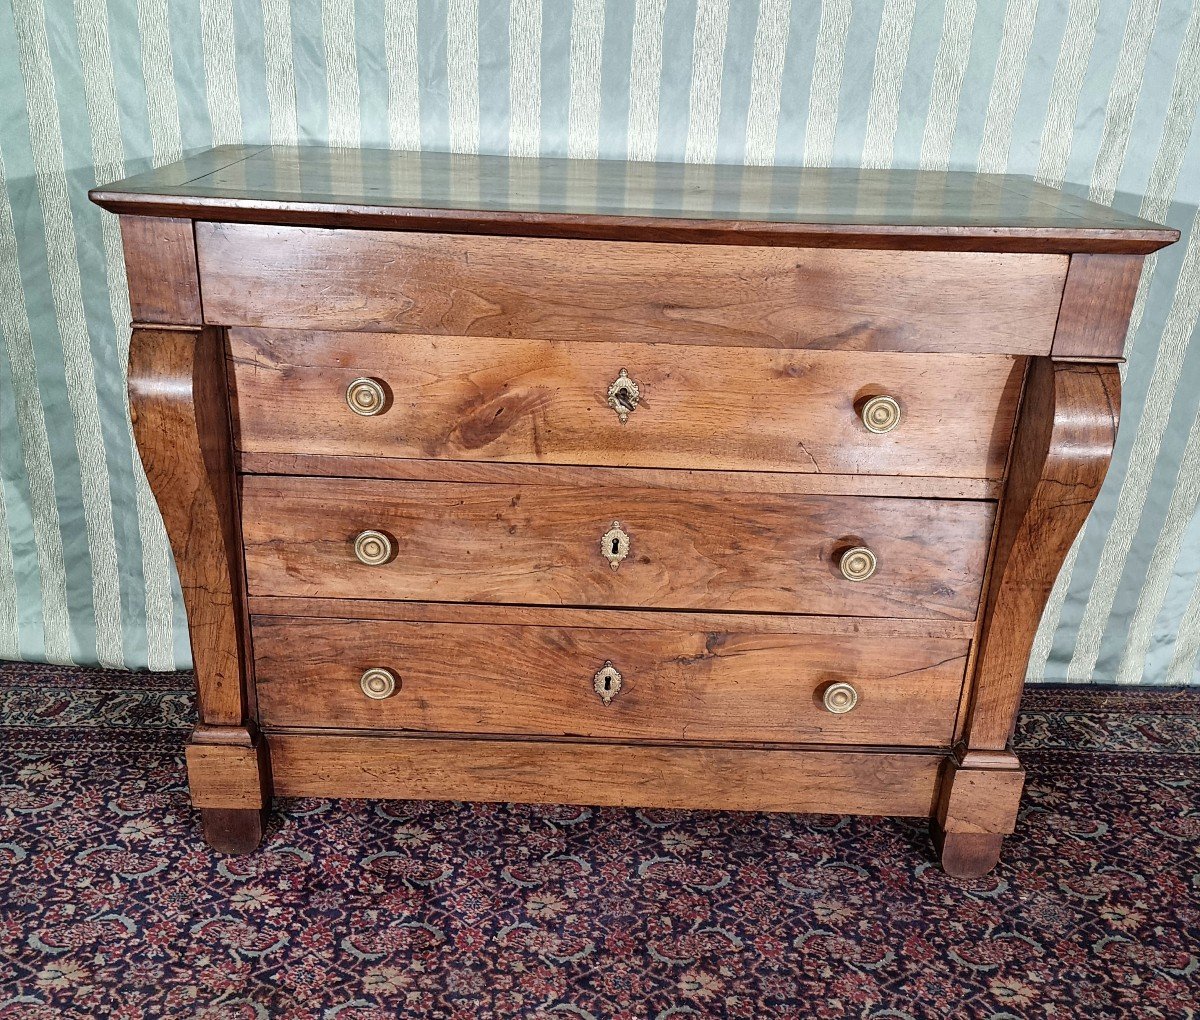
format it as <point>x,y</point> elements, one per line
<point>857,564</point>
<point>839,698</point>
<point>366,397</point>
<point>373,548</point>
<point>379,683</point>
<point>880,414</point>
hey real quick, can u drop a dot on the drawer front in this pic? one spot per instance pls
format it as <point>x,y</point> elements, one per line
<point>562,402</point>
<point>676,685</point>
<point>554,545</point>
<point>306,277</point>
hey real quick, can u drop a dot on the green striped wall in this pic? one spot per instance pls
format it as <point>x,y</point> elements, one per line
<point>1097,96</point>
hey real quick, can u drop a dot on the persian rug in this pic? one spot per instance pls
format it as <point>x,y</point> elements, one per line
<point>112,906</point>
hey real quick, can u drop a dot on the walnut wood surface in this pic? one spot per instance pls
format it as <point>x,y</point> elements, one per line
<point>180,413</point>
<point>756,308</point>
<point>1062,449</point>
<point>605,775</point>
<point>676,685</point>
<point>232,830</point>
<point>178,400</point>
<point>1097,301</point>
<point>625,619</point>
<point>672,478</point>
<point>456,398</point>
<point>160,262</point>
<point>688,550</point>
<point>967,854</point>
<point>644,201</point>
<point>978,799</point>
<point>229,767</point>
<point>621,291</point>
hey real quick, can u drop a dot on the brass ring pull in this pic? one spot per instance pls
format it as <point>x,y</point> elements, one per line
<point>839,698</point>
<point>857,564</point>
<point>614,545</point>
<point>880,414</point>
<point>373,548</point>
<point>379,683</point>
<point>607,682</point>
<point>623,396</point>
<point>366,397</point>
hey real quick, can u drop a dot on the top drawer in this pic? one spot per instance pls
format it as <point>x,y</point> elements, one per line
<point>623,404</point>
<point>550,288</point>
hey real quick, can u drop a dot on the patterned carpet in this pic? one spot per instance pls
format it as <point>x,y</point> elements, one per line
<point>111,906</point>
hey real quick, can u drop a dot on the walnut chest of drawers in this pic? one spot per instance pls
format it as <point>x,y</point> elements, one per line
<point>618,484</point>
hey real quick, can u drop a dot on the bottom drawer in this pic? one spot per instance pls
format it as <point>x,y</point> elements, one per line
<point>678,683</point>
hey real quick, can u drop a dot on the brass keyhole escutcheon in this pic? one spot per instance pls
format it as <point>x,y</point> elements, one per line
<point>614,545</point>
<point>607,682</point>
<point>857,564</point>
<point>623,396</point>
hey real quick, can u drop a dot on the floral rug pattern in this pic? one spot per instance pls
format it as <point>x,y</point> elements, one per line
<point>112,906</point>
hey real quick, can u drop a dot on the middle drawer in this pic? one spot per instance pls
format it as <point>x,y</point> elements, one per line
<point>651,547</point>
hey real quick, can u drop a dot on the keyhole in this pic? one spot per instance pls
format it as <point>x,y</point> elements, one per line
<point>616,546</point>
<point>624,398</point>
<point>607,683</point>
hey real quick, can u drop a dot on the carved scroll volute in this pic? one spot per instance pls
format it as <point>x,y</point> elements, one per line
<point>180,416</point>
<point>1062,450</point>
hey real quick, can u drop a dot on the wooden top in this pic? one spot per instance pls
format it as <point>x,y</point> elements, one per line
<point>840,207</point>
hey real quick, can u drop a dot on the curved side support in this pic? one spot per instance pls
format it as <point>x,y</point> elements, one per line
<point>1064,443</point>
<point>180,416</point>
<point>1061,453</point>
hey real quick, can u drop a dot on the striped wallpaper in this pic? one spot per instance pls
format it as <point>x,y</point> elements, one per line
<point>1097,96</point>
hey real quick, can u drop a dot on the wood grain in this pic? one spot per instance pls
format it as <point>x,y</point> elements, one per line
<point>978,799</point>
<point>626,619</point>
<point>229,768</point>
<point>455,398</point>
<point>496,299</point>
<point>616,291</point>
<point>160,263</point>
<point>672,478</point>
<point>604,775</point>
<point>177,396</point>
<point>1096,305</point>
<point>688,550</point>
<point>676,685</point>
<point>1062,449</point>
<point>235,831</point>
<point>967,854</point>
<point>456,192</point>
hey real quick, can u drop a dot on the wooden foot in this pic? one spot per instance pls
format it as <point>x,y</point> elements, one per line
<point>967,854</point>
<point>233,830</point>
<point>977,806</point>
<point>229,772</point>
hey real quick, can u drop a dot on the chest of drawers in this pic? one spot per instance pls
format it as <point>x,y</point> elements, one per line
<point>618,484</point>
